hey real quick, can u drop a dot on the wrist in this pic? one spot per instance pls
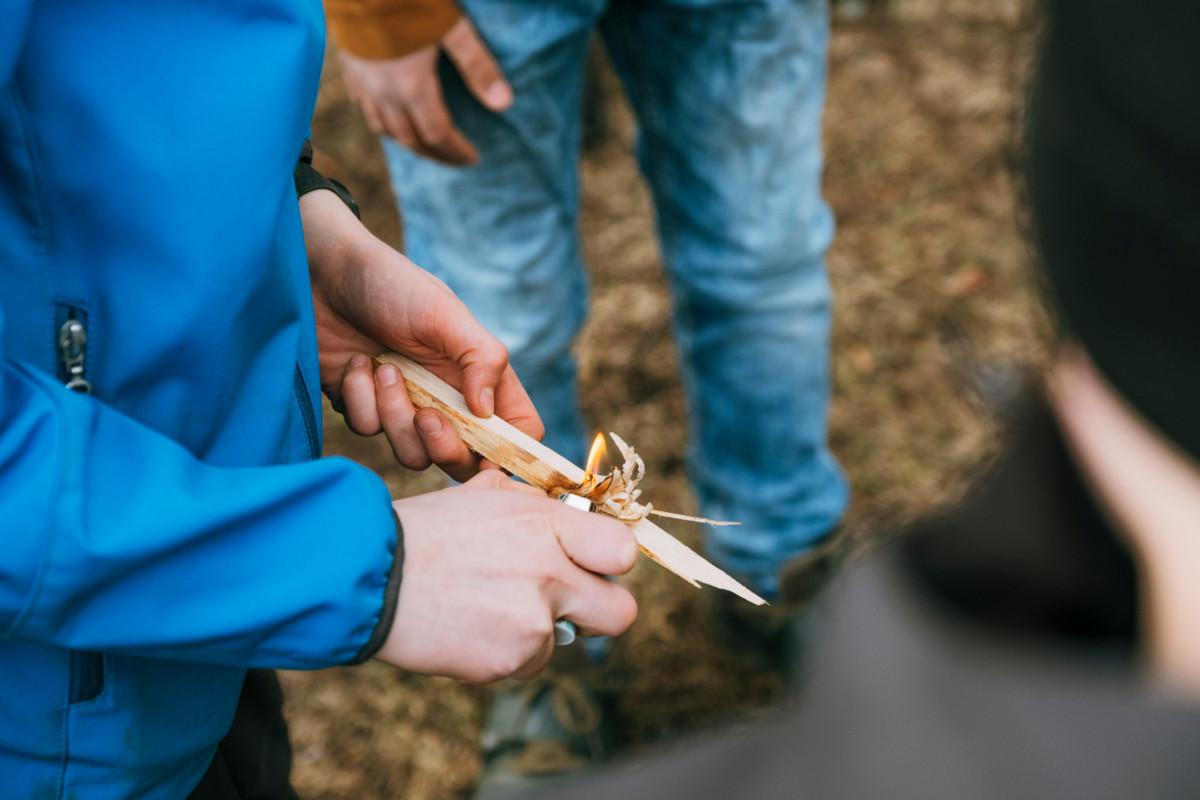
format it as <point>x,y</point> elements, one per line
<point>308,179</point>
<point>391,596</point>
<point>333,237</point>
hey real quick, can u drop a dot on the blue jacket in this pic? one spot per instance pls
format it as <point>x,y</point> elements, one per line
<point>172,528</point>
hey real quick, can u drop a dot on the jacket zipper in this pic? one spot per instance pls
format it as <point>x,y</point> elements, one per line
<point>72,352</point>
<point>307,413</point>
<point>86,673</point>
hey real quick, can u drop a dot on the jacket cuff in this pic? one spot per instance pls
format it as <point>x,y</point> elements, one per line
<point>391,596</point>
<point>382,29</point>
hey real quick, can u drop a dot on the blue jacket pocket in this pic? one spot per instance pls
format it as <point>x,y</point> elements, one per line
<point>87,676</point>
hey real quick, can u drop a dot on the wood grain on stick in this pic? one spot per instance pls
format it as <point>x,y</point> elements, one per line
<point>536,464</point>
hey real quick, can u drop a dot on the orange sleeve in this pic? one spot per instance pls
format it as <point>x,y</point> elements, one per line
<point>388,28</point>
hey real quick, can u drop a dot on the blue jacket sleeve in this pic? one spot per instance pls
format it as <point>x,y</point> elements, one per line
<point>114,538</point>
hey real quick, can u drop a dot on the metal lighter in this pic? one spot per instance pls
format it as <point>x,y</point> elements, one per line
<point>565,630</point>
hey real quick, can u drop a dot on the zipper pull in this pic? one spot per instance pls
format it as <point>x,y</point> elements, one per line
<point>72,351</point>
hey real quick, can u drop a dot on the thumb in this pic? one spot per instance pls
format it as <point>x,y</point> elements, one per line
<point>595,542</point>
<point>477,66</point>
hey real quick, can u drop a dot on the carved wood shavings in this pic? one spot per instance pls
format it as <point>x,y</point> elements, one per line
<point>530,460</point>
<point>620,499</point>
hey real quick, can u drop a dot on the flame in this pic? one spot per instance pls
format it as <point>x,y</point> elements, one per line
<point>596,454</point>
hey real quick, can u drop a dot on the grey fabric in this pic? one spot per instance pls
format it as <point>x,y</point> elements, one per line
<point>904,703</point>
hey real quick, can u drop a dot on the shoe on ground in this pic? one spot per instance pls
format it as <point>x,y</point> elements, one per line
<point>540,731</point>
<point>776,637</point>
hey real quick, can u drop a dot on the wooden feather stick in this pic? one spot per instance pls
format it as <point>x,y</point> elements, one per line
<point>530,460</point>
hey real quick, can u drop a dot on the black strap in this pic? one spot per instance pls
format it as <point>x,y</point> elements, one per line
<point>309,180</point>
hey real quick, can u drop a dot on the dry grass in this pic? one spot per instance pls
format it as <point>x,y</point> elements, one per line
<point>921,134</point>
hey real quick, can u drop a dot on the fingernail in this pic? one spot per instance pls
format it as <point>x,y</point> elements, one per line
<point>498,95</point>
<point>359,360</point>
<point>487,399</point>
<point>386,375</point>
<point>430,424</point>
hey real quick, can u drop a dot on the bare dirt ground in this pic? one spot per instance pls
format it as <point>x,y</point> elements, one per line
<point>922,141</point>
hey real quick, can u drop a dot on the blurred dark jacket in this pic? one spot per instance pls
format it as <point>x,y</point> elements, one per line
<point>1114,146</point>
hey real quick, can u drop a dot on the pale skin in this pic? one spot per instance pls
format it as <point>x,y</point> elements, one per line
<point>1151,490</point>
<point>489,565</point>
<point>402,97</point>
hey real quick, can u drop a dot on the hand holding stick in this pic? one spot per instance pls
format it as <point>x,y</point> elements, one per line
<point>538,465</point>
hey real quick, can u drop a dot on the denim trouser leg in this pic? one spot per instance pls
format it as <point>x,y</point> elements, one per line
<point>729,98</point>
<point>503,234</point>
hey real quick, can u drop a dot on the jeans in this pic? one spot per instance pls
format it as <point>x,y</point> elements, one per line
<point>728,97</point>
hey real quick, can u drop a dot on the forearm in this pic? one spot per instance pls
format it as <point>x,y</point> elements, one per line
<point>118,540</point>
<point>1152,490</point>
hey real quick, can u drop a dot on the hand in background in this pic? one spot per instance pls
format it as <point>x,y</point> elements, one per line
<point>368,299</point>
<point>489,566</point>
<point>402,97</point>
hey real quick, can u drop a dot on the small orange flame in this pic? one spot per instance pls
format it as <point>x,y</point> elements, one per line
<point>596,454</point>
